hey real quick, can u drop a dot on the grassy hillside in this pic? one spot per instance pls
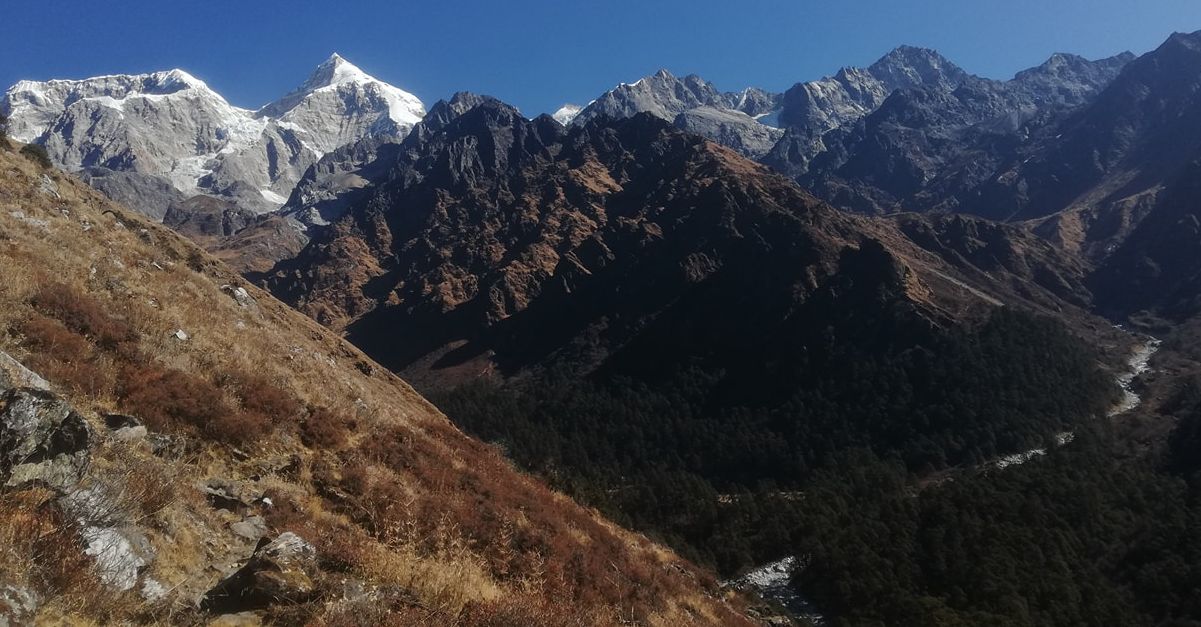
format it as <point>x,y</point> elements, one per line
<point>261,422</point>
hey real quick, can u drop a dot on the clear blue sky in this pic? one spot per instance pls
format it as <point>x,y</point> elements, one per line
<point>538,54</point>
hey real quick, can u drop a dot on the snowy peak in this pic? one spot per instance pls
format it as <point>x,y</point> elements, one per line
<point>171,127</point>
<point>337,70</point>
<point>334,71</point>
<point>33,105</point>
<point>336,76</point>
<point>566,113</point>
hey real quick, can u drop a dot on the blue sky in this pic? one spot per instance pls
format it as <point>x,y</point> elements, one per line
<point>538,54</point>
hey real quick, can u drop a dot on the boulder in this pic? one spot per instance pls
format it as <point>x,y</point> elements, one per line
<point>120,553</point>
<point>229,495</point>
<point>251,528</point>
<point>15,375</point>
<point>279,571</point>
<point>124,428</point>
<point>41,440</point>
<point>18,605</point>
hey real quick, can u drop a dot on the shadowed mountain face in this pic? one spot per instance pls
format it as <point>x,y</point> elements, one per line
<point>928,146</point>
<point>489,224</point>
<point>518,243</point>
<point>1140,131</point>
<point>1157,268</point>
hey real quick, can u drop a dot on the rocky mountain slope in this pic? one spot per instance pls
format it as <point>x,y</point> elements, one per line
<point>754,121</point>
<point>177,446</point>
<point>665,96</point>
<point>484,213</point>
<point>1134,136</point>
<point>815,107</point>
<point>925,146</point>
<point>731,118</point>
<point>169,130</point>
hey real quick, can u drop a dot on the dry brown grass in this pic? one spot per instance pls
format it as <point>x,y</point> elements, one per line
<point>388,491</point>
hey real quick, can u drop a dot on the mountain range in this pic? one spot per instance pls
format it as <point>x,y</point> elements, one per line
<point>169,132</point>
<point>894,324</point>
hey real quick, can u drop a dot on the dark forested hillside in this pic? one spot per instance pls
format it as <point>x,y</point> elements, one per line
<point>658,450</point>
<point>1070,539</point>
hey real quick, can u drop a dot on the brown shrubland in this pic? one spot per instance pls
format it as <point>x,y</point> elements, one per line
<point>439,527</point>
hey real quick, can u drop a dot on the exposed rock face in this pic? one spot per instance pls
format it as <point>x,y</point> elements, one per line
<point>730,128</point>
<point>15,375</point>
<point>815,107</point>
<point>280,571</point>
<point>1158,267</point>
<point>207,217</point>
<point>1068,79</point>
<point>118,546</point>
<point>661,95</point>
<point>148,194</point>
<point>170,126</point>
<point>908,66</point>
<point>811,109</point>
<point>729,118</point>
<point>41,440</point>
<point>329,186</point>
<point>1139,132</point>
<point>517,242</point>
<point>928,147</point>
<point>818,106</point>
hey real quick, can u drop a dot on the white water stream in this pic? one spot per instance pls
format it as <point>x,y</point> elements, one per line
<point>771,581</point>
<point>1136,366</point>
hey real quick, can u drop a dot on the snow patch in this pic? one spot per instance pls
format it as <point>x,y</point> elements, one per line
<point>273,197</point>
<point>771,118</point>
<point>566,113</point>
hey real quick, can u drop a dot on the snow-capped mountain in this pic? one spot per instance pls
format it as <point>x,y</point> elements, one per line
<point>341,104</point>
<point>170,126</point>
<point>566,113</point>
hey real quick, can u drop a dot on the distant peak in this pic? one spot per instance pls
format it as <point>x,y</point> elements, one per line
<point>911,66</point>
<point>445,111</point>
<point>404,108</point>
<point>567,113</point>
<point>1060,57</point>
<point>1191,41</point>
<point>182,76</point>
<point>910,54</point>
<point>663,73</point>
<point>334,71</point>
